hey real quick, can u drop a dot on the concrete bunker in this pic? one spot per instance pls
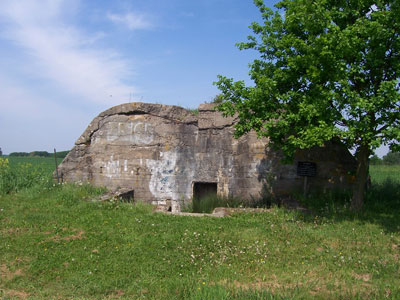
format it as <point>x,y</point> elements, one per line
<point>167,155</point>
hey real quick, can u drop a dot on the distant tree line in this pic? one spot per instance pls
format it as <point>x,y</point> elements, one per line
<point>61,154</point>
<point>392,158</point>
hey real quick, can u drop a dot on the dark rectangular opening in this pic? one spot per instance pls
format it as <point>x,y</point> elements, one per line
<point>204,197</point>
<point>128,196</point>
<point>204,189</point>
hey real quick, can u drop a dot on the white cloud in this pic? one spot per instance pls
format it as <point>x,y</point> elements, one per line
<point>63,53</point>
<point>131,20</point>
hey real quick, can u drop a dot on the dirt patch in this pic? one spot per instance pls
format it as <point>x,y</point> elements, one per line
<point>388,293</point>
<point>334,244</point>
<point>259,285</point>
<point>78,235</point>
<point>363,277</point>
<point>316,285</point>
<point>13,231</point>
<point>16,294</point>
<point>116,294</point>
<point>272,284</point>
<point>7,274</point>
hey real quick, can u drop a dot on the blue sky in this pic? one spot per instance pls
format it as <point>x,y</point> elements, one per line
<point>62,62</point>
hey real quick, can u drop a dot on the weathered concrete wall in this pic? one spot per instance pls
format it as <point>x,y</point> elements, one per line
<point>160,151</point>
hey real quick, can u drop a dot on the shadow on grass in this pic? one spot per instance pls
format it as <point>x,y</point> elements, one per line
<point>208,203</point>
<point>382,206</point>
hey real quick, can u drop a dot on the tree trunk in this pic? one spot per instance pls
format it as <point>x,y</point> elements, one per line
<point>362,156</point>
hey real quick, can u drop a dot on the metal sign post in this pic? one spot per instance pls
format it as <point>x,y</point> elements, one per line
<point>55,159</point>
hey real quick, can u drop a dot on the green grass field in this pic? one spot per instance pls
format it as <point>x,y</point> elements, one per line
<point>56,244</point>
<point>381,173</point>
<point>47,163</point>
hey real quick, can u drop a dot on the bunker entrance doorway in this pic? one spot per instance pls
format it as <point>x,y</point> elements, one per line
<point>202,190</point>
<point>127,196</point>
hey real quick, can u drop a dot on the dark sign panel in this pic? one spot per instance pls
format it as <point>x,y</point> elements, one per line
<point>306,168</point>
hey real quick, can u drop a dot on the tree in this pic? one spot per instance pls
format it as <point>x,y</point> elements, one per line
<point>218,99</point>
<point>19,154</point>
<point>392,158</point>
<point>40,153</point>
<point>326,69</point>
<point>375,160</point>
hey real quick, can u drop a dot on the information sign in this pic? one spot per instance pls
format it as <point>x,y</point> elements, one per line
<point>306,168</point>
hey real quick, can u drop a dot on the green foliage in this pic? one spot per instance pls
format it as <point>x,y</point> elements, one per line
<point>218,99</point>
<point>61,154</point>
<point>327,69</point>
<point>382,195</point>
<point>40,153</point>
<point>392,158</point>
<point>194,111</point>
<point>375,160</point>
<point>18,154</point>
<point>330,203</point>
